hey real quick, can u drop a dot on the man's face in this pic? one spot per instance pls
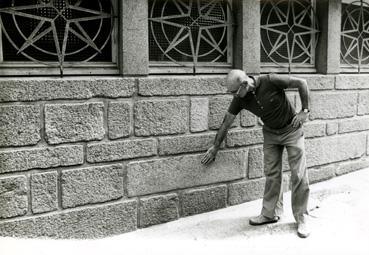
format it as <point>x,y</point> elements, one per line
<point>246,85</point>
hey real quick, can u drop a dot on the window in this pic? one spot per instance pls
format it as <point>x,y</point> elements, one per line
<point>190,36</point>
<point>57,37</point>
<point>289,34</point>
<point>355,36</point>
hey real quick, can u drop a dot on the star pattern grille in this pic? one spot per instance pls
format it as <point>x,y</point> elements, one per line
<point>57,30</point>
<point>355,34</point>
<point>188,32</point>
<point>289,32</point>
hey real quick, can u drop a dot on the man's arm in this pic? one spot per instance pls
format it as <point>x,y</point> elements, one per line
<point>302,86</point>
<point>285,82</point>
<point>223,130</point>
<point>303,89</point>
<point>221,134</point>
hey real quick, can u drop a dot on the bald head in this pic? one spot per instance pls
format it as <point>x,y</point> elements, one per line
<point>238,83</point>
<point>234,78</point>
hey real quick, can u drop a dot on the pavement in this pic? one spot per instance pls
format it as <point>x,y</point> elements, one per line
<point>339,224</point>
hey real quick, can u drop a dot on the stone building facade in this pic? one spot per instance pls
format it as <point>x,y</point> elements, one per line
<point>89,156</point>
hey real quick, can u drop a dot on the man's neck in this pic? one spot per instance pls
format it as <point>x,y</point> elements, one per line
<point>256,81</point>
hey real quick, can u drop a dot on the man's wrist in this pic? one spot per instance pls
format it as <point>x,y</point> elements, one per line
<point>305,110</point>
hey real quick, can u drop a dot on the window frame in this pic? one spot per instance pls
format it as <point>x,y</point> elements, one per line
<point>30,68</point>
<point>268,67</point>
<point>168,67</point>
<point>344,66</point>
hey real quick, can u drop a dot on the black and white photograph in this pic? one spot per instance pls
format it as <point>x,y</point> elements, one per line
<point>184,127</point>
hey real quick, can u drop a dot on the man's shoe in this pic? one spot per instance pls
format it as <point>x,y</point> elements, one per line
<point>302,229</point>
<point>261,220</point>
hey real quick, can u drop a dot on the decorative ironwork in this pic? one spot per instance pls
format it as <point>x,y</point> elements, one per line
<point>289,32</point>
<point>55,31</point>
<point>188,32</point>
<point>355,34</point>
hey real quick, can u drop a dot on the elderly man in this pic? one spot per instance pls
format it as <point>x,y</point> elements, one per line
<point>264,96</point>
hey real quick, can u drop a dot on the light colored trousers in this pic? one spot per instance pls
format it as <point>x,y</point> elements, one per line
<point>274,142</point>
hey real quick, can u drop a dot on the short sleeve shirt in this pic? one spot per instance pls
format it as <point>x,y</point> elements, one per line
<point>269,102</point>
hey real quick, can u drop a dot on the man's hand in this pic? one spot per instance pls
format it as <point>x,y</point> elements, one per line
<point>221,134</point>
<point>209,156</point>
<point>299,119</point>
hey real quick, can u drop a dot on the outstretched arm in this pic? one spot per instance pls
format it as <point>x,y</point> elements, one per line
<point>221,134</point>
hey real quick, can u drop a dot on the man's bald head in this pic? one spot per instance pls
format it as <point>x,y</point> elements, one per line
<point>234,79</point>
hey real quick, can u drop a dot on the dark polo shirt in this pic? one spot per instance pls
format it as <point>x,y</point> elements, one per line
<point>269,102</point>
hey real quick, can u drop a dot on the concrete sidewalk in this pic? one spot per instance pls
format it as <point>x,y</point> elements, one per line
<point>339,222</point>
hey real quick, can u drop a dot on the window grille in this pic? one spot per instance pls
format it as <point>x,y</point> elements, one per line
<point>56,33</point>
<point>289,33</point>
<point>355,36</point>
<point>190,33</point>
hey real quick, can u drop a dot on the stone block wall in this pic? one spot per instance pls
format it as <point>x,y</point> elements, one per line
<point>92,157</point>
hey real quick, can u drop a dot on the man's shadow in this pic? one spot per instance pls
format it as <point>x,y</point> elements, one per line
<point>238,226</point>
